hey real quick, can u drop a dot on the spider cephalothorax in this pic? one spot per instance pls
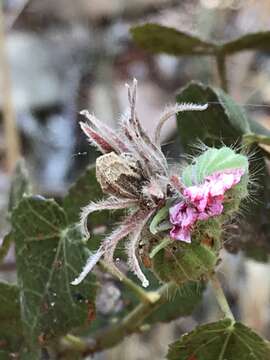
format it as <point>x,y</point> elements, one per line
<point>134,173</point>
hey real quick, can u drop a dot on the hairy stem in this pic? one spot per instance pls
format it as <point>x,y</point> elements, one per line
<point>222,71</point>
<point>114,334</point>
<point>221,298</point>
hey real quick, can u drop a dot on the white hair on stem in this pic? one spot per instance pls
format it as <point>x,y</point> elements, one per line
<point>109,244</point>
<point>132,95</point>
<point>105,131</point>
<point>172,110</point>
<point>131,251</point>
<point>112,203</point>
<point>90,263</point>
<point>129,224</point>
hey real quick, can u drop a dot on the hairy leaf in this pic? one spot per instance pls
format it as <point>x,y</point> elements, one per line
<point>49,254</point>
<point>11,333</point>
<point>223,122</point>
<point>162,39</point>
<point>85,189</point>
<point>222,340</point>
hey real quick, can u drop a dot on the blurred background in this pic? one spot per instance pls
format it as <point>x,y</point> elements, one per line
<point>58,57</point>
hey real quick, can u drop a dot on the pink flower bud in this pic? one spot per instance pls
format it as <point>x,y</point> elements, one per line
<point>202,202</point>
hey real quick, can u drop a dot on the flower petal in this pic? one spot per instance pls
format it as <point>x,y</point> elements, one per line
<point>202,202</point>
<point>180,233</point>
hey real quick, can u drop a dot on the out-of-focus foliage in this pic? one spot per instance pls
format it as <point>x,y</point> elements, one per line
<point>162,39</point>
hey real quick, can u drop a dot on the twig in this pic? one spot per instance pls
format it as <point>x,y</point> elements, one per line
<point>220,296</point>
<point>11,134</point>
<point>114,334</point>
<point>222,71</point>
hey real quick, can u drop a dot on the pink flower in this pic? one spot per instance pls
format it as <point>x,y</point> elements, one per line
<point>202,202</point>
<point>184,215</point>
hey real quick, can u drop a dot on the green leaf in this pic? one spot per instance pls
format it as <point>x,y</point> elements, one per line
<point>222,340</point>
<point>50,254</point>
<point>223,122</point>
<point>251,41</point>
<point>11,333</point>
<point>162,39</point>
<point>85,189</point>
<point>20,184</point>
<point>235,113</point>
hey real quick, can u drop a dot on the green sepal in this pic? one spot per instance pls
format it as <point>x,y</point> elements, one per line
<point>181,262</point>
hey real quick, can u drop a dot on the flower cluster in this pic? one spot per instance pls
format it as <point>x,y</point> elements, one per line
<point>134,173</point>
<point>202,202</point>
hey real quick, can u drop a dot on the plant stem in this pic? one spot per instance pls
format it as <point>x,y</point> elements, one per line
<point>221,298</point>
<point>251,138</point>
<point>145,296</point>
<point>73,342</point>
<point>222,71</point>
<point>114,334</point>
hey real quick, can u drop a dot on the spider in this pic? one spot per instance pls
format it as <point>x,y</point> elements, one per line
<point>134,172</point>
